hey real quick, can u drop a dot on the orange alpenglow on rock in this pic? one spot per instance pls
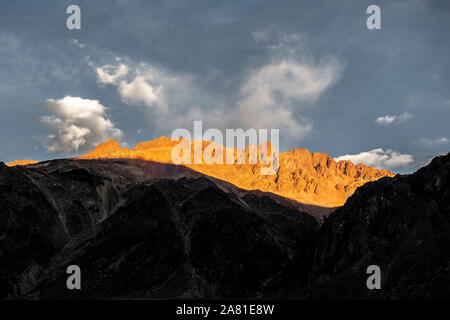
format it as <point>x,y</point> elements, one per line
<point>108,149</point>
<point>308,178</point>
<point>20,163</point>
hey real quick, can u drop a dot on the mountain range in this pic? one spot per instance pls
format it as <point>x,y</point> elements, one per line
<point>141,227</point>
<point>314,180</point>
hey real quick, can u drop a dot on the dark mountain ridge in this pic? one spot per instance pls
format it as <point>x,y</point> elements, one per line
<point>103,214</point>
<point>401,224</point>
<point>139,229</point>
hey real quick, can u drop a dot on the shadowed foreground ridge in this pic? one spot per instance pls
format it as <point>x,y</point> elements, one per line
<point>147,230</point>
<point>136,234</point>
<point>400,224</point>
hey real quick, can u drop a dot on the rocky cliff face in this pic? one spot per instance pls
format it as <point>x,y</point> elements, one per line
<point>20,163</point>
<point>308,178</point>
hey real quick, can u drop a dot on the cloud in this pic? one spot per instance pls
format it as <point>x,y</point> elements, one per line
<point>150,86</point>
<point>77,43</point>
<point>433,142</point>
<point>279,42</point>
<point>387,120</point>
<point>271,96</point>
<point>140,91</point>
<point>110,74</point>
<point>77,123</point>
<point>379,158</point>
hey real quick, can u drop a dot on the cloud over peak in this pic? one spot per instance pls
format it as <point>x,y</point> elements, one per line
<point>379,158</point>
<point>291,79</point>
<point>140,90</point>
<point>77,123</point>
<point>272,95</point>
<point>147,85</point>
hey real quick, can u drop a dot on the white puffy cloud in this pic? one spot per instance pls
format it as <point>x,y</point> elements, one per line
<point>143,84</point>
<point>76,123</point>
<point>379,158</point>
<point>387,120</point>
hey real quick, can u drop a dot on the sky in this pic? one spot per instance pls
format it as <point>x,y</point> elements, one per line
<point>137,70</point>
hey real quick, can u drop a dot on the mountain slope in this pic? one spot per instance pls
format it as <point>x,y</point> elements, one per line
<point>126,217</point>
<point>136,234</point>
<point>185,238</point>
<point>400,224</point>
<point>21,163</point>
<point>30,231</point>
<point>308,178</point>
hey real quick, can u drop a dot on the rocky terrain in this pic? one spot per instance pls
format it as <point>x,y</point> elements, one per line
<point>313,180</point>
<point>143,229</point>
<point>308,178</point>
<point>137,234</point>
<point>401,224</point>
<point>20,163</point>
